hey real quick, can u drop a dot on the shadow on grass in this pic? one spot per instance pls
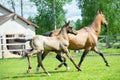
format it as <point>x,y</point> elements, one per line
<point>30,75</point>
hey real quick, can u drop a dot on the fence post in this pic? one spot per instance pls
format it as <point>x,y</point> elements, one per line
<point>107,42</point>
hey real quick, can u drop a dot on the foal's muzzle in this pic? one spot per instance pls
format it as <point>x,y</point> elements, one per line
<point>75,32</point>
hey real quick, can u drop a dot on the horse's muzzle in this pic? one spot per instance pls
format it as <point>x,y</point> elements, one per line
<point>106,27</point>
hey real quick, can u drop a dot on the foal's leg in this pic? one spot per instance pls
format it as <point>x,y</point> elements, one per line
<point>101,54</point>
<point>82,57</point>
<point>40,64</point>
<point>29,59</point>
<point>59,57</point>
<point>29,64</point>
<point>69,56</point>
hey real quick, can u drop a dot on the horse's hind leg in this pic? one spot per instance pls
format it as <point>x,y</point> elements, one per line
<point>44,54</point>
<point>101,54</point>
<point>59,57</point>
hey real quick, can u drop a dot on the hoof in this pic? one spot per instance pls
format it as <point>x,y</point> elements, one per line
<point>28,71</point>
<point>79,70</point>
<point>108,65</point>
<point>56,68</point>
<point>68,68</point>
<point>48,74</point>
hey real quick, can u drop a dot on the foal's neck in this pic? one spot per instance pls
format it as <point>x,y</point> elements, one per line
<point>96,26</point>
<point>63,33</point>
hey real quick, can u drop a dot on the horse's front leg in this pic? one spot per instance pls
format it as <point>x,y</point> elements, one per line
<point>101,54</point>
<point>83,56</point>
<point>29,64</point>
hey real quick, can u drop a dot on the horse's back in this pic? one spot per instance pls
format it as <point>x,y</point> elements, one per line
<point>83,39</point>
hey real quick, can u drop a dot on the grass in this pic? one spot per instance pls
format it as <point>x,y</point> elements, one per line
<point>93,69</point>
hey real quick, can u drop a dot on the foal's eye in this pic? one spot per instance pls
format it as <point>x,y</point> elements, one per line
<point>70,27</point>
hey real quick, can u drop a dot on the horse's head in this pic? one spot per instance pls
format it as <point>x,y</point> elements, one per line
<point>103,20</point>
<point>70,29</point>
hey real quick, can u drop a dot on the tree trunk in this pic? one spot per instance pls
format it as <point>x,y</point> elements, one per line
<point>21,8</point>
<point>54,14</point>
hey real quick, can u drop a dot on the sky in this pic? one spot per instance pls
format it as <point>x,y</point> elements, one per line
<point>73,12</point>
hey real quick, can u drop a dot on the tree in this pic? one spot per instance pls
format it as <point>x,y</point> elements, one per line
<point>14,5</point>
<point>110,8</point>
<point>78,24</point>
<point>50,14</point>
<point>21,2</point>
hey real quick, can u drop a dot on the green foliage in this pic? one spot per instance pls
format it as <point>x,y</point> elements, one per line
<point>93,69</point>
<point>46,15</point>
<point>110,8</point>
<point>78,24</point>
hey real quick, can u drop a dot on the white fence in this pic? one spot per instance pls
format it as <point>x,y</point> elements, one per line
<point>8,45</point>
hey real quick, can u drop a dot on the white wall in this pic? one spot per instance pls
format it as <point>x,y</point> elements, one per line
<point>16,27</point>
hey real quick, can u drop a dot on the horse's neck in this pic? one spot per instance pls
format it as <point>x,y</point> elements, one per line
<point>96,26</point>
<point>63,34</point>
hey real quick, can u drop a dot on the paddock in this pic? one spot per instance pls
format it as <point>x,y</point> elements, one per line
<point>13,69</point>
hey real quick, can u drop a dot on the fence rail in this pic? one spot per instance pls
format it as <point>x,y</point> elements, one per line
<point>108,40</point>
<point>7,43</point>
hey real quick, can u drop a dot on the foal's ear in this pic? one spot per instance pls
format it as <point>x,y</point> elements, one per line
<point>65,22</point>
<point>68,22</point>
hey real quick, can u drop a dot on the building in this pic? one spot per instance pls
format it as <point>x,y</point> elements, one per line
<point>13,26</point>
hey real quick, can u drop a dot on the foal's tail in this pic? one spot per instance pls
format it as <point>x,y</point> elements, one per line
<point>22,40</point>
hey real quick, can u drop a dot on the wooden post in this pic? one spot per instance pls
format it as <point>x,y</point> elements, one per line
<point>3,45</point>
<point>107,42</point>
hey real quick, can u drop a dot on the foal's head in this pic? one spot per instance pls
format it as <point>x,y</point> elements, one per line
<point>69,29</point>
<point>102,19</point>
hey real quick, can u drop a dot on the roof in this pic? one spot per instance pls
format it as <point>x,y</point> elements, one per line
<point>6,17</point>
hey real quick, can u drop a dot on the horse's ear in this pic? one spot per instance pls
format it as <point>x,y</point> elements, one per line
<point>99,12</point>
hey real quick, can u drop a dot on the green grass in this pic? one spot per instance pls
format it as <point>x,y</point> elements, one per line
<point>111,50</point>
<point>93,69</point>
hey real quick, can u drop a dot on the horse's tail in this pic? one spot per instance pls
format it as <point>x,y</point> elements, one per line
<point>22,40</point>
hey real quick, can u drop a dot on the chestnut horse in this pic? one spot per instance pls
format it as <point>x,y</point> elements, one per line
<point>58,44</point>
<point>86,39</point>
